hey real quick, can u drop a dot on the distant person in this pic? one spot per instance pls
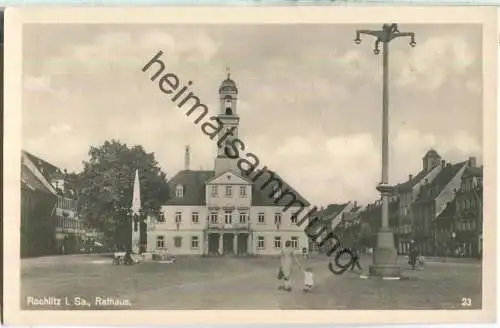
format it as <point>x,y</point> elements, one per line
<point>308,279</point>
<point>413,255</point>
<point>286,264</point>
<point>355,259</point>
<point>128,258</point>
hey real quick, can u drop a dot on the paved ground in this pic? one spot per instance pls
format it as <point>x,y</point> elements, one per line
<point>232,283</point>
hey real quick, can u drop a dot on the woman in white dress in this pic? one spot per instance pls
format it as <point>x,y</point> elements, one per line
<point>286,266</point>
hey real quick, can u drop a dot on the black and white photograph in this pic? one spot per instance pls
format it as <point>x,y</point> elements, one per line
<point>273,163</point>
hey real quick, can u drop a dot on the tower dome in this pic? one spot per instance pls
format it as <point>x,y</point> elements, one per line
<point>431,153</point>
<point>228,85</point>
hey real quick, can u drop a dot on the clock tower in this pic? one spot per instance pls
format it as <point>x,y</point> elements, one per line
<point>228,116</point>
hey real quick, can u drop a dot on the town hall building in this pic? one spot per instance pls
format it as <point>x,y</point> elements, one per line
<point>223,212</point>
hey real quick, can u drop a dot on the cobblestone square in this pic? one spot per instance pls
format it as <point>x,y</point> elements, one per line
<point>243,283</point>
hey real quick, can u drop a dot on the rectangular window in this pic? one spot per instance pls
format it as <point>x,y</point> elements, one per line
<point>178,242</point>
<point>228,217</point>
<point>229,191</point>
<point>243,191</point>
<point>260,242</point>
<point>194,242</point>
<point>277,218</point>
<point>243,217</point>
<point>293,219</point>
<point>195,216</point>
<point>214,191</point>
<point>161,217</point>
<point>277,242</point>
<point>213,217</point>
<point>261,217</point>
<point>160,242</point>
<point>178,217</point>
<point>295,242</point>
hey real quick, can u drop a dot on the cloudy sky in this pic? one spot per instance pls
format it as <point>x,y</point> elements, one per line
<point>309,98</point>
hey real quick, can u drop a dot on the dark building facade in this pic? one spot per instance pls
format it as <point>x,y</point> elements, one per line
<point>38,204</point>
<point>468,226</point>
<point>433,199</point>
<point>59,226</point>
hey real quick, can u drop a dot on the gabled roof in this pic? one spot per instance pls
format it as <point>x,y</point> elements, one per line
<point>408,185</point>
<point>215,177</point>
<point>57,175</point>
<point>194,189</point>
<point>44,167</point>
<point>50,172</point>
<point>353,214</point>
<point>449,211</point>
<point>331,211</point>
<point>440,181</point>
<point>262,196</point>
<point>30,182</point>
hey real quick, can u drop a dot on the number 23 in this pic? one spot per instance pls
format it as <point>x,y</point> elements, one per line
<point>466,301</point>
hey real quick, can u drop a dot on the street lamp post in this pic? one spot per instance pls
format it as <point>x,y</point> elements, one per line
<point>385,254</point>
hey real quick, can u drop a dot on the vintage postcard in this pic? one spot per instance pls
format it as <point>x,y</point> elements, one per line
<point>247,165</point>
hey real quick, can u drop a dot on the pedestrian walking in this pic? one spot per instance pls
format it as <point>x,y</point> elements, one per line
<point>286,264</point>
<point>413,255</point>
<point>355,259</point>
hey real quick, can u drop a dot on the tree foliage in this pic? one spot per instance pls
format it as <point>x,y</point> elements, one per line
<point>105,186</point>
<point>366,236</point>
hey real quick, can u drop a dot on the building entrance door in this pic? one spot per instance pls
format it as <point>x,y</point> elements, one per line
<point>228,243</point>
<point>213,243</point>
<point>242,244</point>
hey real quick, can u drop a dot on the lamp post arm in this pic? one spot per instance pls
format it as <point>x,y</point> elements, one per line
<point>402,34</point>
<point>377,34</point>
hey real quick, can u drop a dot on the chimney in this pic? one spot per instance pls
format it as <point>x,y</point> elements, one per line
<point>187,159</point>
<point>443,163</point>
<point>472,162</point>
<point>410,177</point>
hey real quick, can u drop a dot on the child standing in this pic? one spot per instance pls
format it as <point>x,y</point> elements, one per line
<point>308,279</point>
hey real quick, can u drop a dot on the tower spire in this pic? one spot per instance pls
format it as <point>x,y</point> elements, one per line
<point>187,159</point>
<point>228,71</point>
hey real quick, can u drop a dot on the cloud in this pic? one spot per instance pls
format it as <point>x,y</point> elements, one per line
<point>325,169</point>
<point>410,145</point>
<point>60,129</point>
<point>429,65</point>
<point>309,109</point>
<point>116,52</point>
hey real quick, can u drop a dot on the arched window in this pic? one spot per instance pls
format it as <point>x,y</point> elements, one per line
<point>227,102</point>
<point>228,105</point>
<point>179,191</point>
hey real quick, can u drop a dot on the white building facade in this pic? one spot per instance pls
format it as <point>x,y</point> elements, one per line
<point>221,212</point>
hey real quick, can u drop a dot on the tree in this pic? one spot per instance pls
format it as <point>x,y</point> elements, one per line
<point>105,186</point>
<point>365,235</point>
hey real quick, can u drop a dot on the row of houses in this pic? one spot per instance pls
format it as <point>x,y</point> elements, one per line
<point>49,215</point>
<point>439,208</point>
